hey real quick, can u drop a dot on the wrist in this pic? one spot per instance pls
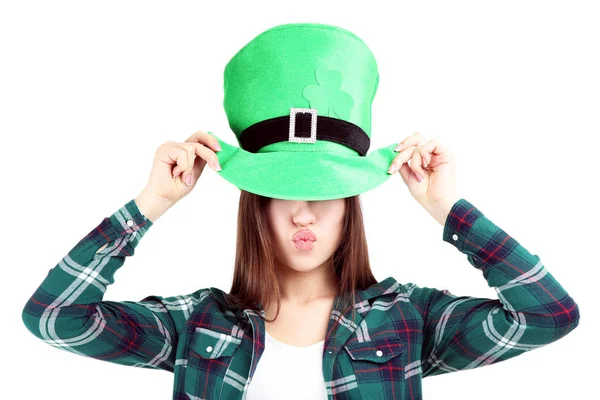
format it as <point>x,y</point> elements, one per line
<point>440,210</point>
<point>151,205</point>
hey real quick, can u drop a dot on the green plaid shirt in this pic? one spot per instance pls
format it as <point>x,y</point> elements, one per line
<point>401,332</point>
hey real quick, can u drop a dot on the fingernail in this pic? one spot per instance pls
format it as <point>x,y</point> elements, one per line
<point>392,169</point>
<point>218,148</point>
<point>188,180</point>
<point>218,167</point>
<point>419,177</point>
<point>398,148</point>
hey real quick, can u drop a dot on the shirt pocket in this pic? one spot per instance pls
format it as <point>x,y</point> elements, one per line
<point>378,351</point>
<point>210,344</point>
<point>378,366</point>
<point>209,356</point>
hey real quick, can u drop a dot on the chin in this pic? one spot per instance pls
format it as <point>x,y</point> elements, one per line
<point>302,264</point>
<point>306,269</point>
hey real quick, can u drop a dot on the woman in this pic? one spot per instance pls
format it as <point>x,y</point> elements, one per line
<point>305,317</point>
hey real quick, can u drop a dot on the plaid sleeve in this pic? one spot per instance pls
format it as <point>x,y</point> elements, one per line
<point>464,332</point>
<point>67,311</point>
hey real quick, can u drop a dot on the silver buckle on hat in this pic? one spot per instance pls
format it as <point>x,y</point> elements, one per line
<point>313,125</point>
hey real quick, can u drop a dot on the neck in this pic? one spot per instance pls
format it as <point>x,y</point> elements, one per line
<point>300,287</point>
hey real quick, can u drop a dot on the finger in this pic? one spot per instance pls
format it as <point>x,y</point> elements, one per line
<point>206,139</point>
<point>199,165</point>
<point>195,170</point>
<point>205,155</point>
<point>187,170</point>
<point>405,156</point>
<point>400,159</point>
<point>416,163</point>
<point>405,172</point>
<point>178,156</point>
<point>411,140</point>
<point>432,151</point>
<point>425,150</point>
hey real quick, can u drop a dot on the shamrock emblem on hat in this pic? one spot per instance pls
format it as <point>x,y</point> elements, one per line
<point>327,96</point>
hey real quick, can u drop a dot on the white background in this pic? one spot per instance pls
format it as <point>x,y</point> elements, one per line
<point>90,90</point>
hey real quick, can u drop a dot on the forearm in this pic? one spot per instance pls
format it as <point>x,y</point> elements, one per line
<point>68,311</point>
<point>82,276</point>
<point>532,310</point>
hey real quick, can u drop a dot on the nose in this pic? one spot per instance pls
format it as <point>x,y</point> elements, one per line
<point>303,215</point>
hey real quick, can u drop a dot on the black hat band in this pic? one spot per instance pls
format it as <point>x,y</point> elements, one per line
<point>301,126</point>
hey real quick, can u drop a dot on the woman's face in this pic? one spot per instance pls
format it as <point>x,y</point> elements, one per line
<point>324,218</point>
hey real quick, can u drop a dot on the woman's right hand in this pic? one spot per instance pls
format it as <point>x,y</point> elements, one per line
<point>174,162</point>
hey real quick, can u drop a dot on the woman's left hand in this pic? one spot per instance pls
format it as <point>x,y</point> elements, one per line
<point>436,192</point>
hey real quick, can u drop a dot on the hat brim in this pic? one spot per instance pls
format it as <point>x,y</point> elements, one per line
<point>304,175</point>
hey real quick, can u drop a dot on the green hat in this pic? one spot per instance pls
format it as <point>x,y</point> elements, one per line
<point>298,98</point>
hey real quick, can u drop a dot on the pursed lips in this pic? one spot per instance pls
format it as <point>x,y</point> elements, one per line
<point>305,234</point>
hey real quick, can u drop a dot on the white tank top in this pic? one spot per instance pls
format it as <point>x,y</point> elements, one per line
<point>288,372</point>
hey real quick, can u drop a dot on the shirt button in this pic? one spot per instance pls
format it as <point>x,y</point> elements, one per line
<point>379,353</point>
<point>209,349</point>
<point>455,236</point>
<point>129,222</point>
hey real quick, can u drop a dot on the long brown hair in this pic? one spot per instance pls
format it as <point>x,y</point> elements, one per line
<point>254,277</point>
